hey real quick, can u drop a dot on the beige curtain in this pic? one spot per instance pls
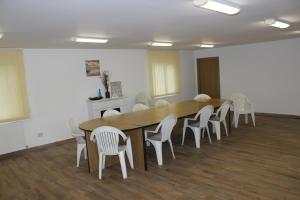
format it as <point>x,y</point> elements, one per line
<point>13,95</point>
<point>164,72</point>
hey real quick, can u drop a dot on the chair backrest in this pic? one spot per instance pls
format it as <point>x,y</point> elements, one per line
<point>142,98</point>
<point>239,101</point>
<point>76,132</point>
<point>222,111</point>
<point>111,112</point>
<point>202,97</point>
<point>167,125</point>
<point>161,102</point>
<point>205,114</point>
<point>107,139</point>
<point>139,107</point>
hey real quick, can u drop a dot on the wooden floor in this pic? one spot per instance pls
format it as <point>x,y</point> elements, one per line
<point>252,163</point>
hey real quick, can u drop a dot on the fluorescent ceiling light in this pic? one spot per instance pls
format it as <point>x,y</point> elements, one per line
<point>277,24</point>
<point>207,45</point>
<point>218,5</point>
<point>1,35</point>
<point>90,40</point>
<point>161,44</point>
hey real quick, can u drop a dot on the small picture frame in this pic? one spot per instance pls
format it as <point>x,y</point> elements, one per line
<point>116,89</point>
<point>92,67</point>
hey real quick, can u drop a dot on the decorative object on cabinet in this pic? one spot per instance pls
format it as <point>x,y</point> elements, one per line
<point>92,67</point>
<point>116,89</point>
<point>106,83</point>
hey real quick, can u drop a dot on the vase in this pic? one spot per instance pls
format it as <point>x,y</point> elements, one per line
<point>107,94</point>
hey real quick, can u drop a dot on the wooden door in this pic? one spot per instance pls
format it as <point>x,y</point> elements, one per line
<point>208,76</point>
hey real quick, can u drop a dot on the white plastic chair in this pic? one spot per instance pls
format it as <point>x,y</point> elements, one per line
<point>202,97</point>
<point>220,117</point>
<point>79,136</point>
<point>107,139</point>
<point>161,102</point>
<point>162,133</point>
<point>110,113</point>
<point>139,107</point>
<point>142,98</point>
<point>199,125</point>
<point>241,105</point>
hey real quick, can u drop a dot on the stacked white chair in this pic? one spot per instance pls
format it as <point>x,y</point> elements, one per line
<point>199,124</point>
<point>162,133</point>
<point>107,139</point>
<point>202,97</point>
<point>161,103</point>
<point>139,107</point>
<point>79,136</point>
<point>110,113</point>
<point>220,117</point>
<point>242,105</point>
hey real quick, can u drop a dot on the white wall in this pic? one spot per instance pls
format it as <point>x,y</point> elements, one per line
<point>12,137</point>
<point>58,89</point>
<point>268,73</point>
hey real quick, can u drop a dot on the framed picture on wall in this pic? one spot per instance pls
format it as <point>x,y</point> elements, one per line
<point>92,67</point>
<point>116,89</point>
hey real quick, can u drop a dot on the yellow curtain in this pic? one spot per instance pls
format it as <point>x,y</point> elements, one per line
<point>164,72</point>
<point>13,94</point>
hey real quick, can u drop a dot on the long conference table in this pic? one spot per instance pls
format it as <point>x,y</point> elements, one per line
<point>133,125</point>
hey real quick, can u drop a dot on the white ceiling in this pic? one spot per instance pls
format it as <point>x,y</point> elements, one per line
<point>134,23</point>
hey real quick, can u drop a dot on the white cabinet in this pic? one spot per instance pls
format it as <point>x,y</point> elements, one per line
<point>96,107</point>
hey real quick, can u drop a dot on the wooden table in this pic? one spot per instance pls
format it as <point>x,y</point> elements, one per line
<point>133,124</point>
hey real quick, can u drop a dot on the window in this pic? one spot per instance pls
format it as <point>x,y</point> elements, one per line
<point>13,95</point>
<point>163,72</point>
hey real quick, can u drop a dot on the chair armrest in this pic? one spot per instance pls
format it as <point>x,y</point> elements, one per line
<point>148,131</point>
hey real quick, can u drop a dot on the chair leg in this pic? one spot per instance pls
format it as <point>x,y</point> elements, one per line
<point>123,164</point>
<point>129,152</point>
<point>246,118</point>
<point>171,146</point>
<point>85,152</point>
<point>197,134</point>
<point>80,147</point>
<point>225,126</point>
<point>216,125</point>
<point>207,131</point>
<point>253,118</point>
<point>158,151</point>
<point>100,165</point>
<point>236,120</point>
<point>103,161</point>
<point>183,132</point>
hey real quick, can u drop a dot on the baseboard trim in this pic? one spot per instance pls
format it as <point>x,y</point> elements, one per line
<point>24,151</point>
<point>278,115</point>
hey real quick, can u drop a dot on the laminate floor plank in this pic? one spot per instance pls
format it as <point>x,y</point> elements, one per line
<point>251,163</point>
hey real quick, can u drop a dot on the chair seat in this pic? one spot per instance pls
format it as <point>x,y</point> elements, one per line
<point>156,137</point>
<point>122,148</point>
<point>214,118</point>
<point>194,124</point>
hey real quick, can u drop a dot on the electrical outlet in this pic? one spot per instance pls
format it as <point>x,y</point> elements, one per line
<point>40,134</point>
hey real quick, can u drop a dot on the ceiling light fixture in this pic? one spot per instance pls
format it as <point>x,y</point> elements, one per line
<point>90,40</point>
<point>1,35</point>
<point>161,44</point>
<point>277,24</point>
<point>207,45</point>
<point>218,5</point>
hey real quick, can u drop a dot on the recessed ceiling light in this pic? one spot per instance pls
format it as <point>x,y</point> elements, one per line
<point>277,24</point>
<point>207,45</point>
<point>90,40</point>
<point>161,44</point>
<point>1,35</point>
<point>218,5</point>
